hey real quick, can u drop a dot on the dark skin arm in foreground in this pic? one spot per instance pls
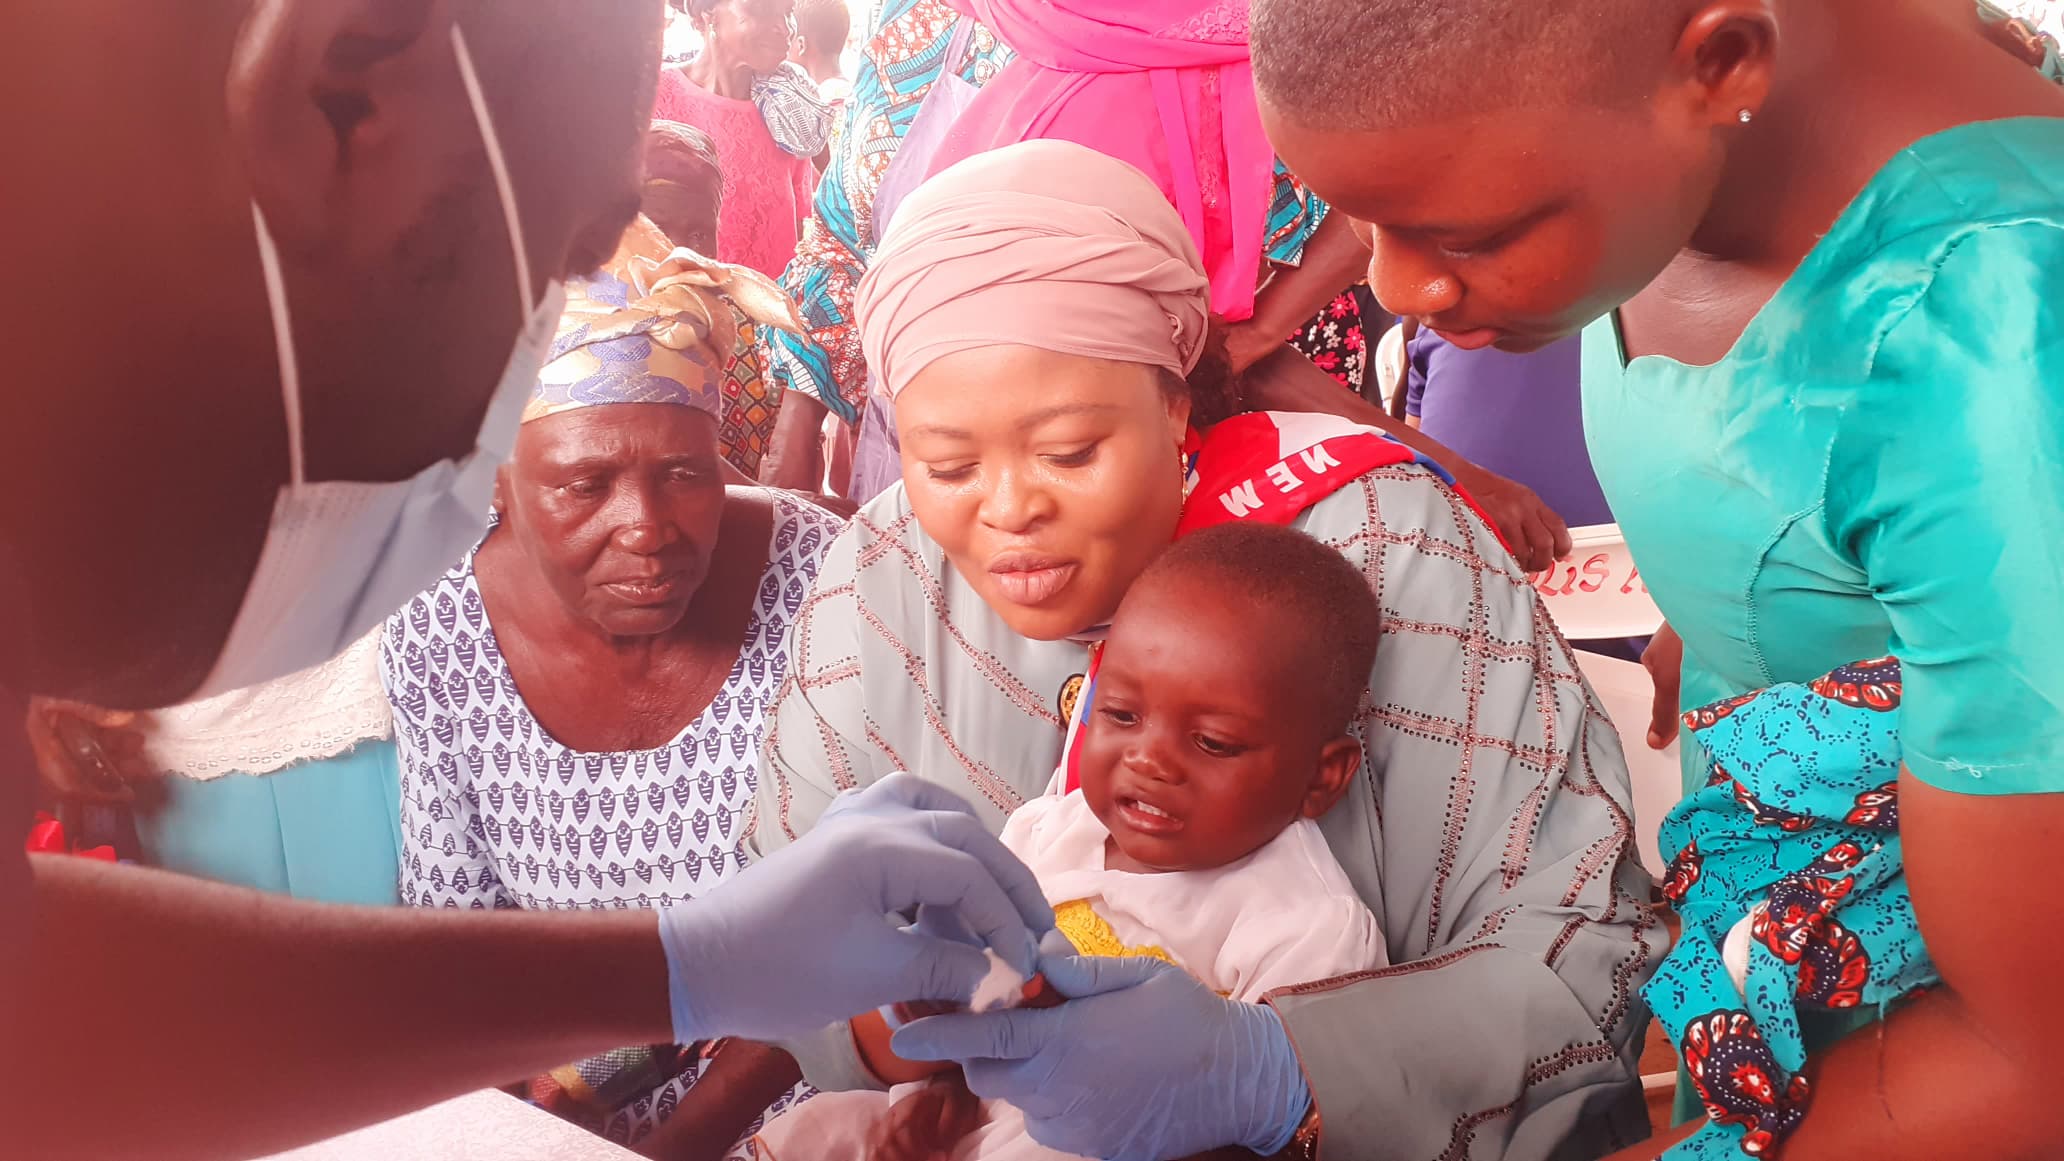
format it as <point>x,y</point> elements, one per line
<point>381,1010</point>
<point>1969,1068</point>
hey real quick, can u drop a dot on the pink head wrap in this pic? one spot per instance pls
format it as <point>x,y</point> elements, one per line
<point>1044,244</point>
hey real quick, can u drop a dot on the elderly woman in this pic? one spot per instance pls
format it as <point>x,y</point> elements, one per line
<point>579,703</point>
<point>1035,311</point>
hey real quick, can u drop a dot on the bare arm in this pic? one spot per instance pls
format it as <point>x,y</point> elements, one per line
<point>1334,259</point>
<point>1287,381</point>
<point>735,1088</point>
<point>269,1023</point>
<point>795,455</point>
<point>1987,1038</point>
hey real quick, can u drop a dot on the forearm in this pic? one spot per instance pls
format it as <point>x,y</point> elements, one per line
<point>794,456</point>
<point>272,1022</point>
<point>1925,1083</point>
<point>1287,381</point>
<point>1334,259</point>
<point>736,1087</point>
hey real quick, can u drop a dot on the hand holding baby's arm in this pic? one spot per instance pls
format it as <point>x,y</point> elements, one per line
<point>872,1032</point>
<point>928,1123</point>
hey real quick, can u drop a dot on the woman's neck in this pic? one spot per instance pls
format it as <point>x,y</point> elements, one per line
<point>1863,80</point>
<point>721,75</point>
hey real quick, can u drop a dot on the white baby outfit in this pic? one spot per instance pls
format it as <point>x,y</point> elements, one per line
<point>1284,915</point>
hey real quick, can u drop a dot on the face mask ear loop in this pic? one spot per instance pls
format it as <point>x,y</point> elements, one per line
<point>283,340</point>
<point>499,166</point>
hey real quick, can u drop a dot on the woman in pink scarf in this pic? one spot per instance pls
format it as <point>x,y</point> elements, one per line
<point>1163,85</point>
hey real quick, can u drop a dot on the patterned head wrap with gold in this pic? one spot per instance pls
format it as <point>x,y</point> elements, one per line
<point>656,325</point>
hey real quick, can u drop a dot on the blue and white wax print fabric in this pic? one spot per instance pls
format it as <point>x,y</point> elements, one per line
<point>1789,881</point>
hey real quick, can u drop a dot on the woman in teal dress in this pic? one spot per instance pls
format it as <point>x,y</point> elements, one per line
<point>1820,248</point>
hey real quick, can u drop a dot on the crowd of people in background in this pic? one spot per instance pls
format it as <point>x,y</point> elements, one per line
<point>857,453</point>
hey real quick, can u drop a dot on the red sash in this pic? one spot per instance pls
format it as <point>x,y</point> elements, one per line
<point>1268,466</point>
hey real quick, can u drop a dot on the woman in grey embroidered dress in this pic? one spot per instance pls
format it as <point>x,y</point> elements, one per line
<point>1035,310</point>
<point>579,703</point>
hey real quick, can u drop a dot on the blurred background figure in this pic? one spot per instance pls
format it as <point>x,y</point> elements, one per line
<point>682,200</point>
<point>822,28</point>
<point>684,185</point>
<point>765,118</point>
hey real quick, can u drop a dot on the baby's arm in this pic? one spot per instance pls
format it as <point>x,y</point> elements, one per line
<point>927,1123</point>
<point>871,1034</point>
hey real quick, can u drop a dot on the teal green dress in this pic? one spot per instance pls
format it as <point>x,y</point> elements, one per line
<point>1876,468</point>
<point>1878,465</point>
<point>328,831</point>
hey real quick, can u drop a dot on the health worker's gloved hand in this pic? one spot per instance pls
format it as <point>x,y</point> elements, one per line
<point>806,937</point>
<point>1142,1063</point>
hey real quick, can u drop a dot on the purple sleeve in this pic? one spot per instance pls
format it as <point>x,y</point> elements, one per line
<point>1418,353</point>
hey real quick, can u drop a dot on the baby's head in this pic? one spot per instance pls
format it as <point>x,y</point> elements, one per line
<point>1233,670</point>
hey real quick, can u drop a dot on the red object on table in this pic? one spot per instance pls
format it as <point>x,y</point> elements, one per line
<point>47,837</point>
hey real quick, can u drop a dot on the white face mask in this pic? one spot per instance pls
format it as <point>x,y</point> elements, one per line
<point>340,556</point>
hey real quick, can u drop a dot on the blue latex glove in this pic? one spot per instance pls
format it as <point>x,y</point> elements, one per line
<point>1142,1063</point>
<point>806,938</point>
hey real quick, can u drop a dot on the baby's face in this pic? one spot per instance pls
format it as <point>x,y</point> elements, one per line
<point>1197,750</point>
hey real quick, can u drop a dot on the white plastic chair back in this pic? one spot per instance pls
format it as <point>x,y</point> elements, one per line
<point>1658,785</point>
<point>1389,366</point>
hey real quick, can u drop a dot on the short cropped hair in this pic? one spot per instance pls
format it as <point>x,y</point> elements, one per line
<point>825,24</point>
<point>1325,602</point>
<point>1373,64</point>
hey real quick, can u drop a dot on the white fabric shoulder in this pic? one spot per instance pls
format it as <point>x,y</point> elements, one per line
<point>304,717</point>
<point>1284,915</point>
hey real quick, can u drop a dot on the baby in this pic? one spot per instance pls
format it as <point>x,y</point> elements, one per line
<point>1213,734</point>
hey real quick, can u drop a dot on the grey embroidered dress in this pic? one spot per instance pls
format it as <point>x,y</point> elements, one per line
<point>1490,833</point>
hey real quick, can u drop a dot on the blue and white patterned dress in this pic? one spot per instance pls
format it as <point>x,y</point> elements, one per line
<point>496,813</point>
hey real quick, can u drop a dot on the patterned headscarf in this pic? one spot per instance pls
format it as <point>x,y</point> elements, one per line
<point>656,325</point>
<point>1045,244</point>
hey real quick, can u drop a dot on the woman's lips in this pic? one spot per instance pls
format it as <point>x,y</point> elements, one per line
<point>1146,818</point>
<point>1030,579</point>
<point>1471,340</point>
<point>653,591</point>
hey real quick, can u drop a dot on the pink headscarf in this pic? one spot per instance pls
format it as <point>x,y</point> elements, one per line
<point>1046,244</point>
<point>1164,85</point>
